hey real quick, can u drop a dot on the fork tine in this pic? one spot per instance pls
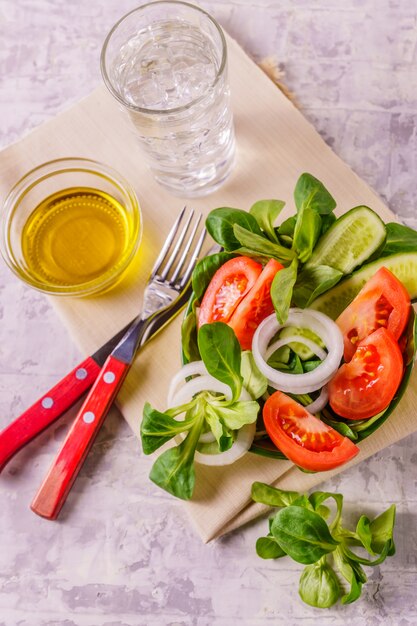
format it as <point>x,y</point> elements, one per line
<point>167,244</point>
<point>177,247</point>
<point>185,278</point>
<point>186,251</point>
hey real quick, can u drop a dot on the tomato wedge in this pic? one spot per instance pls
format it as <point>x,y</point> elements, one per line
<point>382,303</point>
<point>303,438</point>
<point>239,295</point>
<point>229,285</point>
<point>255,306</point>
<point>366,385</point>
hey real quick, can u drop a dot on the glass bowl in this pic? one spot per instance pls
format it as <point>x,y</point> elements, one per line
<point>70,227</point>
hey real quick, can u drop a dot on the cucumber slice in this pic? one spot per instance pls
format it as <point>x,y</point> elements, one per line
<point>402,265</point>
<point>350,241</point>
<point>302,350</point>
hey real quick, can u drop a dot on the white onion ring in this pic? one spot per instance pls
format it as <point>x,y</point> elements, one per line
<point>195,385</point>
<point>319,403</point>
<point>322,326</point>
<point>190,369</point>
<point>241,445</point>
<point>207,437</point>
<point>314,347</point>
<point>245,434</point>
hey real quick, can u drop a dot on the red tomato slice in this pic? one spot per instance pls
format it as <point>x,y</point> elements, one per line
<point>366,385</point>
<point>255,306</point>
<point>229,285</point>
<point>382,303</point>
<point>303,438</point>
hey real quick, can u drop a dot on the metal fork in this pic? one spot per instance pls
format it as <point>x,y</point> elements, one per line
<point>168,280</point>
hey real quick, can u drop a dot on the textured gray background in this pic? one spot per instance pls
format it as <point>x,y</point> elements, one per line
<point>123,552</point>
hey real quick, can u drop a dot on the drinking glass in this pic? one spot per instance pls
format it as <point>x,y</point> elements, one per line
<point>166,64</point>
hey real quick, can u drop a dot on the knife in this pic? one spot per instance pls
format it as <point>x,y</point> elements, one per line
<point>69,389</point>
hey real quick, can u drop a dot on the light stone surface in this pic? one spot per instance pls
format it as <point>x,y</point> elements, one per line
<point>123,552</point>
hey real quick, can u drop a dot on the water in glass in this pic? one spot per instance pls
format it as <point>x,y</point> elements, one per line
<point>168,74</point>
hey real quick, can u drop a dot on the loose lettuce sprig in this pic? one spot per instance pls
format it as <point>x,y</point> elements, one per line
<point>300,530</point>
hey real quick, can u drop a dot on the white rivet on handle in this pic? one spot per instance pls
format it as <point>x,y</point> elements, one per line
<point>109,377</point>
<point>81,373</point>
<point>47,403</point>
<point>89,417</point>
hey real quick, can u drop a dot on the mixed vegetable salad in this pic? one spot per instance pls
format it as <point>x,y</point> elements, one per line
<point>297,343</point>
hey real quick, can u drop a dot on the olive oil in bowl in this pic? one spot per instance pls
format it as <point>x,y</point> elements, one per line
<point>70,226</point>
<point>75,236</point>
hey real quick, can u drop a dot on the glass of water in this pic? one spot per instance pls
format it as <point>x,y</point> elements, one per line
<point>166,64</point>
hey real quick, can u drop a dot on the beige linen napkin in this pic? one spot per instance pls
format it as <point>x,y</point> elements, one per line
<point>275,144</point>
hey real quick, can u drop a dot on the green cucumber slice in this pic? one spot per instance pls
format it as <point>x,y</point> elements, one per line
<point>402,265</point>
<point>350,241</point>
<point>302,350</point>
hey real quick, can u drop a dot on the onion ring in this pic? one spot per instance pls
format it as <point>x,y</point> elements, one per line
<point>319,403</point>
<point>244,435</point>
<point>314,347</point>
<point>322,326</point>
<point>190,369</point>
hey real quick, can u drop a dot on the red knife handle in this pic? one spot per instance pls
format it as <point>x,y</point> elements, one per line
<point>64,470</point>
<point>47,409</point>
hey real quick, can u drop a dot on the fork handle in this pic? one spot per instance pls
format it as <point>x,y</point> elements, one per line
<point>47,409</point>
<point>64,470</point>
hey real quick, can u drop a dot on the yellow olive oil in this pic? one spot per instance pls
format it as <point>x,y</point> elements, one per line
<point>76,236</point>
